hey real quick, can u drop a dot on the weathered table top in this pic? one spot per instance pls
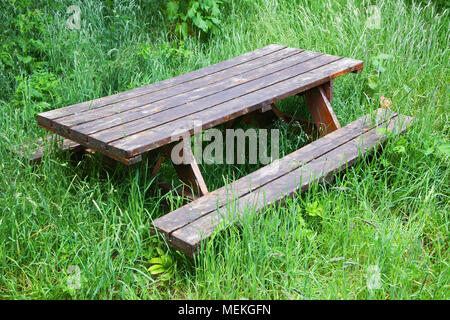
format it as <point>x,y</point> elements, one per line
<point>125,125</point>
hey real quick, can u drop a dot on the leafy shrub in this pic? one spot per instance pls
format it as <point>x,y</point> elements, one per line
<point>38,90</point>
<point>22,51</point>
<point>163,265</point>
<point>166,50</point>
<point>191,17</point>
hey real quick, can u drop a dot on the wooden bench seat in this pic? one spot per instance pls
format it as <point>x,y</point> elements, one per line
<point>186,227</point>
<point>34,151</point>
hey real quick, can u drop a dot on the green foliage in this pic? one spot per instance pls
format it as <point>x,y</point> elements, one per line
<point>39,89</point>
<point>22,49</point>
<point>314,209</point>
<point>373,78</point>
<point>193,16</point>
<point>166,50</point>
<point>162,265</point>
<point>444,148</point>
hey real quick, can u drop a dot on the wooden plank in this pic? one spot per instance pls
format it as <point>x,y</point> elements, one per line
<point>188,238</point>
<point>179,94</point>
<point>188,171</point>
<point>272,91</point>
<point>218,198</point>
<point>128,161</point>
<point>157,120</point>
<point>329,88</point>
<point>163,112</point>
<point>61,112</point>
<point>108,120</point>
<point>131,154</point>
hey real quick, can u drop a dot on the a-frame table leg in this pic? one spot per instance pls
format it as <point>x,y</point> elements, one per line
<point>190,174</point>
<point>319,105</point>
<point>188,171</point>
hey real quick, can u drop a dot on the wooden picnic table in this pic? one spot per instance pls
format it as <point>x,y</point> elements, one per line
<point>125,125</point>
<point>153,118</point>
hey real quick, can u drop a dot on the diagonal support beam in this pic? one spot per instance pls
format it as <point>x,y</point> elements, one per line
<point>190,174</point>
<point>188,171</point>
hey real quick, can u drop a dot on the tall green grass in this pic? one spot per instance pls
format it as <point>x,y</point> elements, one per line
<point>387,213</point>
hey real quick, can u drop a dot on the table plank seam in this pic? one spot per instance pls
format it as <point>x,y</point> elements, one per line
<point>244,93</point>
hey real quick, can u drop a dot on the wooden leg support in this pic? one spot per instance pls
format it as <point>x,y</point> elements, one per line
<point>189,172</point>
<point>322,113</point>
<point>190,175</point>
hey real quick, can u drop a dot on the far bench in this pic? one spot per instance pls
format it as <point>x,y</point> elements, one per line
<point>153,118</point>
<point>34,151</point>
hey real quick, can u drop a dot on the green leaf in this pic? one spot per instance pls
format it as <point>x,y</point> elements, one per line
<point>377,64</point>
<point>200,23</point>
<point>215,20</point>
<point>193,9</point>
<point>156,269</point>
<point>383,56</point>
<point>167,261</point>
<point>215,11</point>
<point>166,277</point>
<point>160,251</point>
<point>314,209</point>
<point>382,131</point>
<point>156,260</point>
<point>444,148</point>
<point>172,10</point>
<point>428,151</point>
<point>182,29</point>
<point>400,149</point>
<point>372,82</point>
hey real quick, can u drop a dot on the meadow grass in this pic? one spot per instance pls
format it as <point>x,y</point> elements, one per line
<point>386,216</point>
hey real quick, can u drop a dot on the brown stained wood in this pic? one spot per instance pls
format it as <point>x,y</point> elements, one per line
<point>234,88</point>
<point>321,111</point>
<point>260,118</point>
<point>126,139</point>
<point>131,109</point>
<point>190,174</point>
<point>329,88</point>
<point>125,160</point>
<point>147,140</point>
<point>157,165</point>
<point>34,151</point>
<point>218,198</point>
<point>129,122</point>
<point>188,171</point>
<point>145,125</point>
<point>92,104</point>
<point>188,238</point>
